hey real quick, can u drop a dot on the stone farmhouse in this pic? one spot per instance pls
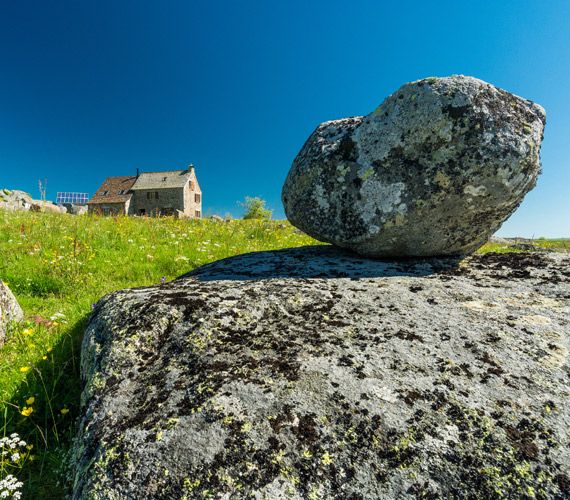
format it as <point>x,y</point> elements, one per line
<point>172,192</point>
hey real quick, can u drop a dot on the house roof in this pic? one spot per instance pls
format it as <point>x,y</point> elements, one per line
<point>114,190</point>
<point>166,179</point>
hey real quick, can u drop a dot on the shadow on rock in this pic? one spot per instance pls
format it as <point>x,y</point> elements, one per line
<point>318,261</point>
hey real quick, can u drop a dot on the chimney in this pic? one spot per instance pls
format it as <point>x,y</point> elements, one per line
<point>138,173</point>
<point>191,167</point>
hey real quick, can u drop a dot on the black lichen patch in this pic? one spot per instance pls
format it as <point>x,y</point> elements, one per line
<point>456,112</point>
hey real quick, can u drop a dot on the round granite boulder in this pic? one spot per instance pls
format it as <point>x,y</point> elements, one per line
<point>434,170</point>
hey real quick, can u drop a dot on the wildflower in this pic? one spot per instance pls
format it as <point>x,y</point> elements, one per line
<point>44,358</point>
<point>30,400</point>
<point>50,349</point>
<point>163,279</point>
<point>93,306</point>
<point>10,486</point>
<point>57,316</point>
<point>27,411</point>
<point>64,411</point>
<point>28,331</point>
<point>24,369</point>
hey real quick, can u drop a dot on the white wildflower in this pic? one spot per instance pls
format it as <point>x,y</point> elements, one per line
<point>9,487</point>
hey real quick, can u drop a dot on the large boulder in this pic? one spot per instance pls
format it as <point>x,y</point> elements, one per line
<point>313,373</point>
<point>15,200</point>
<point>10,310</point>
<point>434,170</point>
<point>74,209</point>
<point>47,206</point>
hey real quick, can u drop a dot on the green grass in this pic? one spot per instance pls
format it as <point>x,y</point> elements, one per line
<point>558,245</point>
<point>58,266</point>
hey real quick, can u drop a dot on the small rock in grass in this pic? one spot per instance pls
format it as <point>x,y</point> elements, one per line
<point>10,310</point>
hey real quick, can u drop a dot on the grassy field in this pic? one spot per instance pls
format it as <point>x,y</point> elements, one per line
<point>58,266</point>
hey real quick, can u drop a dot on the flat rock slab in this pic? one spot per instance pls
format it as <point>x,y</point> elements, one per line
<point>312,373</point>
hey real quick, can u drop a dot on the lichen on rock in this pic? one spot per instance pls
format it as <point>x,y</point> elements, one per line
<point>434,170</point>
<point>313,373</point>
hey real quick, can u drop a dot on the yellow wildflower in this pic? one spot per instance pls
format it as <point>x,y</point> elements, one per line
<point>50,349</point>
<point>28,331</point>
<point>30,400</point>
<point>25,369</point>
<point>64,411</point>
<point>27,411</point>
<point>44,358</point>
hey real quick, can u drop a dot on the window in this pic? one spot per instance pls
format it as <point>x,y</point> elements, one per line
<point>197,198</point>
<point>198,214</point>
<point>152,195</point>
<point>104,193</point>
<point>192,186</point>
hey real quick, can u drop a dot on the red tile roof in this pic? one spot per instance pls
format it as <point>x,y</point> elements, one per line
<point>114,190</point>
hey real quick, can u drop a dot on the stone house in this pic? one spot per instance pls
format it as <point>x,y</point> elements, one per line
<point>171,192</point>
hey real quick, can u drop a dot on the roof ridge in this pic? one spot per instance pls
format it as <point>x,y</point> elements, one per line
<point>164,171</point>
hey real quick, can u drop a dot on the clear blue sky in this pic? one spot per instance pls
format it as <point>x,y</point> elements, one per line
<point>99,88</point>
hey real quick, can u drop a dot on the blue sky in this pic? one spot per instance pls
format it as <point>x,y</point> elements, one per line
<point>99,88</point>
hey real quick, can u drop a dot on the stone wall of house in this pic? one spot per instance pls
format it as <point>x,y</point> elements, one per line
<point>158,201</point>
<point>193,198</point>
<point>109,208</point>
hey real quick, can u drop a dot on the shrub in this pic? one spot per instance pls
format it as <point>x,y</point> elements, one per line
<point>255,209</point>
